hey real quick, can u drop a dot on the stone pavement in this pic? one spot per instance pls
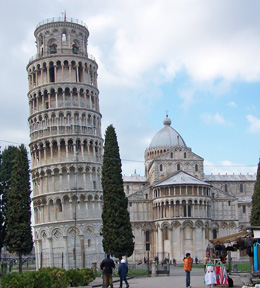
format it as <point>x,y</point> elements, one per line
<point>176,279</point>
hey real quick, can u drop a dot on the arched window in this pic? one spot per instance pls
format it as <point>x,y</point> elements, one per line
<point>215,233</point>
<point>147,236</point>
<point>59,205</point>
<point>189,208</point>
<point>53,48</point>
<point>241,188</point>
<point>75,49</point>
<point>226,188</point>
<point>166,233</point>
<point>171,155</point>
<point>64,36</point>
<point>196,167</point>
<point>184,209</point>
<point>178,167</point>
<point>185,155</point>
<point>161,167</point>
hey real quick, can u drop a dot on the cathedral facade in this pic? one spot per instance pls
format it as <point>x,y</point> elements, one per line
<point>175,208</point>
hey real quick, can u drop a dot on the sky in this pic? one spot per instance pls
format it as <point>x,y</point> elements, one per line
<point>195,60</point>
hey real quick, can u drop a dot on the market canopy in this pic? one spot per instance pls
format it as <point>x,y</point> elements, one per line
<point>230,238</point>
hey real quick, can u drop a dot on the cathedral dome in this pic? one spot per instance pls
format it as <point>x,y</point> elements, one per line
<point>167,136</point>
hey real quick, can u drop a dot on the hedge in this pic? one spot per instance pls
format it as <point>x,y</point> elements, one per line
<point>48,278</point>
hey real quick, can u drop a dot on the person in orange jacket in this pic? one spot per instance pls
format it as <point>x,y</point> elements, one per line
<point>187,268</point>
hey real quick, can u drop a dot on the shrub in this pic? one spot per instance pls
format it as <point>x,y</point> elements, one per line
<point>48,278</point>
<point>42,278</point>
<point>74,278</point>
<point>87,275</point>
<point>17,280</point>
<point>58,277</point>
<point>79,277</point>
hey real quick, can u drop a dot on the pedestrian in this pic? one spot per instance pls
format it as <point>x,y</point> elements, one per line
<point>187,268</point>
<point>122,271</point>
<point>107,266</point>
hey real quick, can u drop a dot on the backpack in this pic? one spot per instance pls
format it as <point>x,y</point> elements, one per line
<point>230,282</point>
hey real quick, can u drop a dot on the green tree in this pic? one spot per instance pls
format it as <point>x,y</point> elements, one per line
<point>18,214</point>
<point>6,166</point>
<point>118,238</point>
<point>255,212</point>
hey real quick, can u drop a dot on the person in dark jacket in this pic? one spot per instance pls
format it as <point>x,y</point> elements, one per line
<point>122,271</point>
<point>107,266</point>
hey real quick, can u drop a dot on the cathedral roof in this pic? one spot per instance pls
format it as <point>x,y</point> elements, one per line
<point>134,178</point>
<point>167,136</point>
<point>228,178</point>
<point>180,178</point>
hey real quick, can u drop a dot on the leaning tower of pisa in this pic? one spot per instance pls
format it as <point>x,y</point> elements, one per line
<point>65,146</point>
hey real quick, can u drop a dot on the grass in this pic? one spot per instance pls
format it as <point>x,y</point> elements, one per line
<point>243,267</point>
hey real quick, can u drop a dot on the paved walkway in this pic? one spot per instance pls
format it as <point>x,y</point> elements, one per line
<point>175,280</point>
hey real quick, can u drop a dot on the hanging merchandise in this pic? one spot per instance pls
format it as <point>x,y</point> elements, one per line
<point>258,256</point>
<point>210,276</point>
<point>221,275</point>
<point>256,245</point>
<point>216,274</point>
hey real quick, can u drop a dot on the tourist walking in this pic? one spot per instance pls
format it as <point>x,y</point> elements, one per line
<point>122,271</point>
<point>187,268</point>
<point>107,266</point>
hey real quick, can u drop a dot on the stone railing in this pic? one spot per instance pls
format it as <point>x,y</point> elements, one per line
<point>61,19</point>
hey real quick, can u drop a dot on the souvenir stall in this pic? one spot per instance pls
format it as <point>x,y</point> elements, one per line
<point>218,262</point>
<point>223,246</point>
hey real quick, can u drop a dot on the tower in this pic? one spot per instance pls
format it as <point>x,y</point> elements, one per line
<point>65,146</point>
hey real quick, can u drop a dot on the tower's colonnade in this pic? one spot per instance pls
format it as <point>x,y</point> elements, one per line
<point>65,145</point>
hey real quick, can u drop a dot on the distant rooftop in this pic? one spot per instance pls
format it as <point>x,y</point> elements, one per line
<point>226,177</point>
<point>134,178</point>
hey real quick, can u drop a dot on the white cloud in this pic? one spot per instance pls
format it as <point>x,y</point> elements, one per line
<point>170,37</point>
<point>210,119</point>
<point>228,167</point>
<point>254,124</point>
<point>232,104</point>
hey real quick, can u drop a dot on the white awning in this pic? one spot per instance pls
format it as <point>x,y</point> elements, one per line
<point>230,238</point>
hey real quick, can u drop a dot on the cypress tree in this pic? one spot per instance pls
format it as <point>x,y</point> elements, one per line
<point>117,231</point>
<point>18,214</point>
<point>6,166</point>
<point>255,212</point>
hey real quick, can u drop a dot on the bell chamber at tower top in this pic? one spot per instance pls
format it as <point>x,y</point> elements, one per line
<point>62,54</point>
<point>63,92</point>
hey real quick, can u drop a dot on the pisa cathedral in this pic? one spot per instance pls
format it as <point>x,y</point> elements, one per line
<point>174,208</point>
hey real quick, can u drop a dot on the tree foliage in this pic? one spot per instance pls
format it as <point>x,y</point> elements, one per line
<point>117,231</point>
<point>255,212</point>
<point>7,162</point>
<point>18,214</point>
